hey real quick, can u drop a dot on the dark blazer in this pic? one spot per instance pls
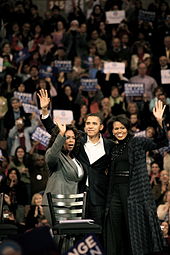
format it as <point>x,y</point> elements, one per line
<point>96,172</point>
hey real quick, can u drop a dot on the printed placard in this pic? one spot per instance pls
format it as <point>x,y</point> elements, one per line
<point>89,245</point>
<point>140,134</point>
<point>22,55</point>
<point>134,89</point>
<point>115,17</point>
<point>29,108</point>
<point>146,16</point>
<point>114,67</point>
<point>63,65</point>
<point>65,116</point>
<point>165,76</point>
<point>89,84</point>
<point>45,71</point>
<point>23,97</point>
<point>40,135</point>
<point>1,64</point>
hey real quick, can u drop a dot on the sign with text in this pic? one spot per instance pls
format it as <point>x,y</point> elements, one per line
<point>65,116</point>
<point>89,245</point>
<point>146,15</point>
<point>29,108</point>
<point>63,65</point>
<point>114,67</point>
<point>134,89</point>
<point>22,55</point>
<point>41,136</point>
<point>89,84</point>
<point>115,17</point>
<point>1,64</point>
<point>165,76</point>
<point>23,97</point>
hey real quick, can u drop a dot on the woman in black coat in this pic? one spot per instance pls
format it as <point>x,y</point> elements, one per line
<point>132,227</point>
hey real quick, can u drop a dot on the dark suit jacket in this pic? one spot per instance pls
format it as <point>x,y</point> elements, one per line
<point>96,172</point>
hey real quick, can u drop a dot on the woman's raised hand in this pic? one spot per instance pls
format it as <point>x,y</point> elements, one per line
<point>158,111</point>
<point>44,99</point>
<point>61,126</point>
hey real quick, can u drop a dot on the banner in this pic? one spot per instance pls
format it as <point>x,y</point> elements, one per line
<point>65,116</point>
<point>29,108</point>
<point>1,64</point>
<point>165,76</point>
<point>41,136</point>
<point>115,17</point>
<point>114,67</point>
<point>89,84</point>
<point>63,65</point>
<point>23,97</point>
<point>89,245</point>
<point>146,16</point>
<point>134,89</point>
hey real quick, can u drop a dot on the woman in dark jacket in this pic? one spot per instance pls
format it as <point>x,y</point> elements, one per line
<point>132,227</point>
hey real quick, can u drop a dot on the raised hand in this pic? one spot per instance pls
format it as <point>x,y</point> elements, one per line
<point>158,111</point>
<point>61,126</point>
<point>44,99</point>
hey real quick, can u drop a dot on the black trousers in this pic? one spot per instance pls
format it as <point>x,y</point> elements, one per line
<point>117,228</point>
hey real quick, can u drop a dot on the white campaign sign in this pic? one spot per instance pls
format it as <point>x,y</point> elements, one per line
<point>65,116</point>
<point>165,76</point>
<point>114,67</point>
<point>115,17</point>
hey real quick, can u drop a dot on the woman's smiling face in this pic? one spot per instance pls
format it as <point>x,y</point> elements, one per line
<point>119,130</point>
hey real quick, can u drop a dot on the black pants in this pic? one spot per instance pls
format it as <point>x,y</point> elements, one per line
<point>117,229</point>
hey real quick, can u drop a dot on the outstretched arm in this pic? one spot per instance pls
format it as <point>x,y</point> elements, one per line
<point>44,100</point>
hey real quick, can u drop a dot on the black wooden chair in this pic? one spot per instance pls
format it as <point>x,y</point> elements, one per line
<point>68,217</point>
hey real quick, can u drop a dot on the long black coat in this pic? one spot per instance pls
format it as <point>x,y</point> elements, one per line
<point>145,232</point>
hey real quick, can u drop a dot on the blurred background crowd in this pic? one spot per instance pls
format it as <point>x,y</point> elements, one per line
<point>30,46</point>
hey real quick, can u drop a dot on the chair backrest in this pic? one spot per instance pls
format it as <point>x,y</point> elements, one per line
<point>1,206</point>
<point>66,207</point>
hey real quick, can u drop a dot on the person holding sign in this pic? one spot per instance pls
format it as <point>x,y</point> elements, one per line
<point>131,224</point>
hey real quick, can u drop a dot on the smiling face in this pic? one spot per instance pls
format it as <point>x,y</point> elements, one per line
<point>93,126</point>
<point>38,199</point>
<point>119,130</point>
<point>70,140</point>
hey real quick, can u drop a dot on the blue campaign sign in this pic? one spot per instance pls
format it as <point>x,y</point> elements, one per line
<point>63,65</point>
<point>89,245</point>
<point>145,15</point>
<point>22,55</point>
<point>134,89</point>
<point>89,84</point>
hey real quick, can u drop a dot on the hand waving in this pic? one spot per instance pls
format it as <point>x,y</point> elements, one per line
<point>44,99</point>
<point>61,126</point>
<point>158,111</point>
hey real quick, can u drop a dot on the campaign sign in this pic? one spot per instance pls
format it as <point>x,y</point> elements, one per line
<point>134,89</point>
<point>1,64</point>
<point>63,65</point>
<point>29,108</point>
<point>65,116</point>
<point>165,76</point>
<point>22,55</point>
<point>146,15</point>
<point>115,17</point>
<point>89,84</point>
<point>45,71</point>
<point>23,97</point>
<point>89,245</point>
<point>114,67</point>
<point>41,136</point>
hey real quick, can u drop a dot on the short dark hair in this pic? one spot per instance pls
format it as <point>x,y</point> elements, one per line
<point>122,118</point>
<point>98,115</point>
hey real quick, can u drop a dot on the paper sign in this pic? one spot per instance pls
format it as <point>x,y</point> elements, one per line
<point>146,16</point>
<point>1,64</point>
<point>23,97</point>
<point>134,89</point>
<point>165,76</point>
<point>89,245</point>
<point>29,108</point>
<point>140,134</point>
<point>65,116</point>
<point>63,66</point>
<point>41,136</point>
<point>115,17</point>
<point>89,84</point>
<point>114,67</point>
<point>22,55</point>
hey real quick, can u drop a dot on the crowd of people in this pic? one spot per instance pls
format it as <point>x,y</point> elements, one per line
<point>32,86</point>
